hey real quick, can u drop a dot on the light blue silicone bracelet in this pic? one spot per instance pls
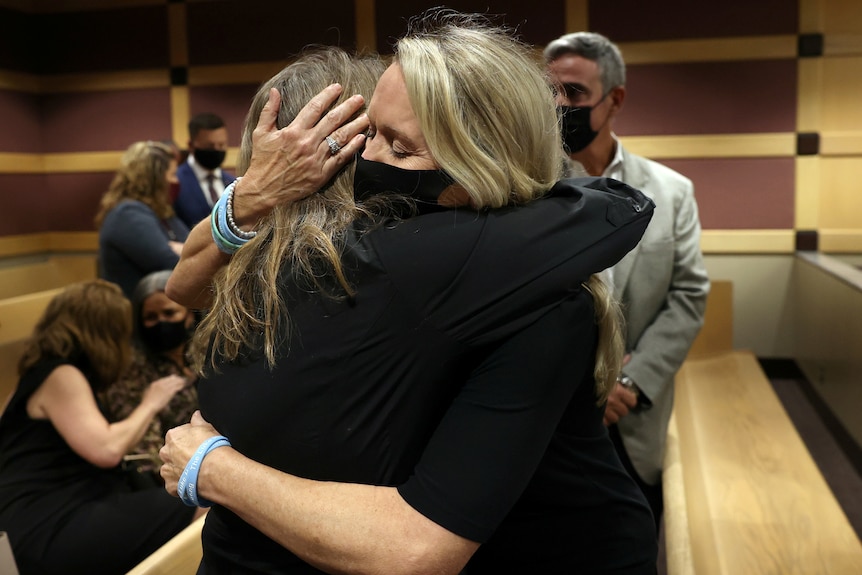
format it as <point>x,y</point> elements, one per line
<point>187,485</point>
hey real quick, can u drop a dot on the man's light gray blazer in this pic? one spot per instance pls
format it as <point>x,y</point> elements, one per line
<point>662,285</point>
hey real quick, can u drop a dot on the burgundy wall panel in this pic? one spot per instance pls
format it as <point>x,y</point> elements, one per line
<point>710,98</point>
<point>74,200</point>
<point>265,31</point>
<point>637,20</point>
<point>50,203</point>
<point>20,126</point>
<point>24,209</point>
<point>126,38</point>
<point>229,102</point>
<point>17,41</point>
<point>742,193</point>
<point>93,121</point>
<point>537,22</point>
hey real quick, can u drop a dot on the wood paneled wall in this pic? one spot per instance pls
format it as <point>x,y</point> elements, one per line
<point>757,102</point>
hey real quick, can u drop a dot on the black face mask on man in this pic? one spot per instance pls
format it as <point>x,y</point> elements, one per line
<point>577,132</point>
<point>165,335</point>
<point>577,129</point>
<point>209,159</point>
<point>424,186</point>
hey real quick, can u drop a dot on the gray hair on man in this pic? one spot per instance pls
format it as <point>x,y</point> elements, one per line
<point>595,47</point>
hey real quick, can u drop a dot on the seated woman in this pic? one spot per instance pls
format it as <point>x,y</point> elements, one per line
<point>138,231</point>
<point>63,499</point>
<point>419,389</point>
<point>162,330</point>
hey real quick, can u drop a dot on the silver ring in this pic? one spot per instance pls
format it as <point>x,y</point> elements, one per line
<point>334,147</point>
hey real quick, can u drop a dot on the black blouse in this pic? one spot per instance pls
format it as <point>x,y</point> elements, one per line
<point>460,372</point>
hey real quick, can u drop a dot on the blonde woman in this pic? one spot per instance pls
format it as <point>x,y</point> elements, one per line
<point>63,500</point>
<point>138,230</point>
<point>431,401</point>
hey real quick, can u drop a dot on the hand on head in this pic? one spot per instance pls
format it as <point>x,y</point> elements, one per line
<point>180,445</point>
<point>296,161</point>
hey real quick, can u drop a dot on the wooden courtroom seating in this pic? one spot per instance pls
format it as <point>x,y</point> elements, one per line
<point>179,556</point>
<point>18,316</point>
<point>25,290</point>
<point>742,493</point>
<point>45,274</point>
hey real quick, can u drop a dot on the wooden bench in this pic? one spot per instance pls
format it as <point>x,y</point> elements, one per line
<point>179,556</point>
<point>18,317</point>
<point>742,493</point>
<point>44,274</point>
<point>25,291</point>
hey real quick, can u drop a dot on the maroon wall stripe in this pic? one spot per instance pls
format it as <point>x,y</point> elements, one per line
<point>260,30</point>
<point>96,121</point>
<point>537,22</point>
<point>24,210</point>
<point>126,38</point>
<point>696,98</point>
<point>73,200</point>
<point>18,48</point>
<point>34,203</point>
<point>637,21</point>
<point>710,98</point>
<point>742,193</point>
<point>20,125</point>
<point>229,102</point>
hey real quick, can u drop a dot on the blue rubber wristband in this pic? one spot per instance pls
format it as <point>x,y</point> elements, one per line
<point>187,485</point>
<point>222,243</point>
<point>224,227</point>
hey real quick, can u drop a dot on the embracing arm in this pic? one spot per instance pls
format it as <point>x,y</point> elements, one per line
<point>516,396</point>
<point>337,527</point>
<point>67,400</point>
<point>286,166</point>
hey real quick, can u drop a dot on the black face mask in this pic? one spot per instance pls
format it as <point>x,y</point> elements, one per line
<point>209,159</point>
<point>576,128</point>
<point>165,335</point>
<point>424,186</point>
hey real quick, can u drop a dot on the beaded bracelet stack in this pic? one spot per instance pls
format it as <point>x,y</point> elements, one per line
<point>226,234</point>
<point>187,486</point>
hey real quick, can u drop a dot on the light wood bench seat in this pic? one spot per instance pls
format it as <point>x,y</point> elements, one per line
<point>45,274</point>
<point>18,317</point>
<point>179,556</point>
<point>755,500</point>
<point>25,291</point>
<point>742,493</point>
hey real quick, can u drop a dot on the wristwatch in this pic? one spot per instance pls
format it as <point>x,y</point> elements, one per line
<point>628,383</point>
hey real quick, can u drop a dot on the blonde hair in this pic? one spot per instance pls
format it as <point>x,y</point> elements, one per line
<point>91,319</point>
<point>305,238</point>
<point>485,107</point>
<point>489,117</point>
<point>141,177</point>
<point>611,345</point>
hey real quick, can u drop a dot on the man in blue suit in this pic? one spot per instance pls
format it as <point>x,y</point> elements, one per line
<point>202,181</point>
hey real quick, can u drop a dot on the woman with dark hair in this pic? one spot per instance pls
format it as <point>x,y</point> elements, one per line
<point>162,330</point>
<point>63,499</point>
